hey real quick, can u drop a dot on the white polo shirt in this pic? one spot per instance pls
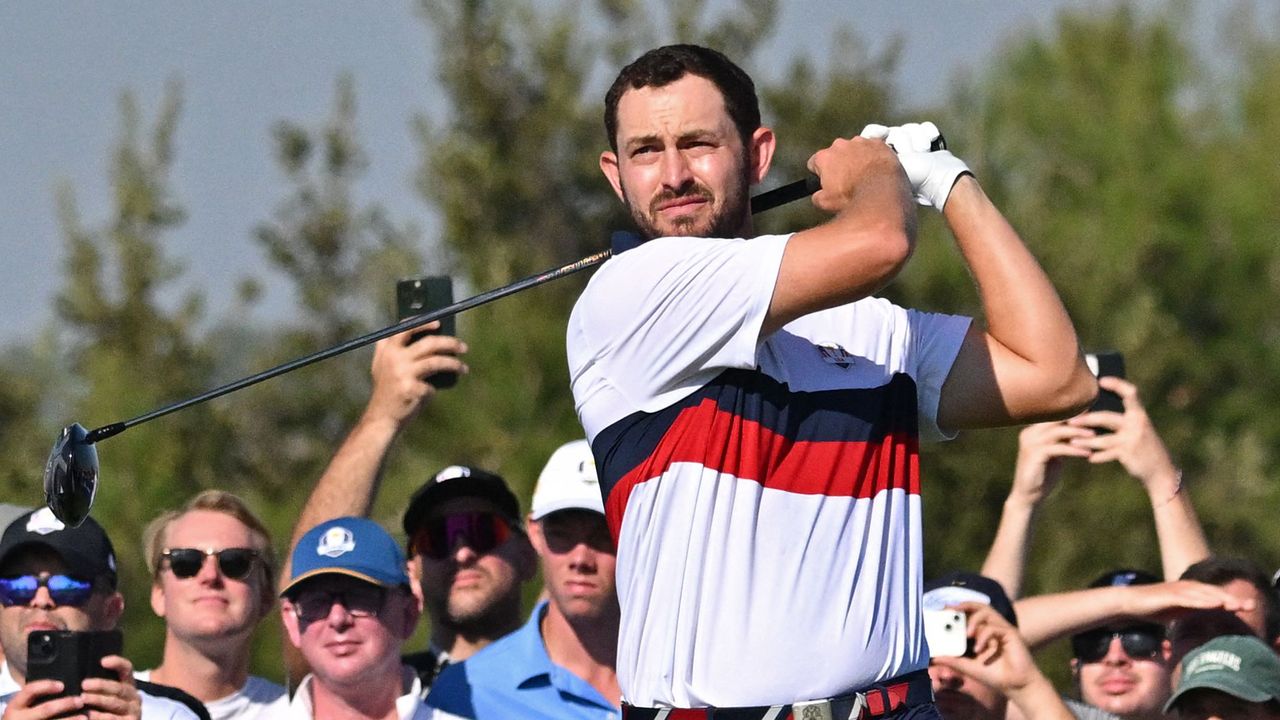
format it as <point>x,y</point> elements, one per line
<point>764,496</point>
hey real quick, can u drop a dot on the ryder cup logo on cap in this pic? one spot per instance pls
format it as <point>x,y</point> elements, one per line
<point>335,542</point>
<point>568,482</point>
<point>351,546</point>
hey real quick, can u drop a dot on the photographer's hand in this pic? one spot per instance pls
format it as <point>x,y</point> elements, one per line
<point>111,699</point>
<point>1002,661</point>
<point>27,703</point>
<point>1133,441</point>
<point>1136,445</point>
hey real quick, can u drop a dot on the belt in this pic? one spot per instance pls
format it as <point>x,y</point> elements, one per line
<point>879,700</point>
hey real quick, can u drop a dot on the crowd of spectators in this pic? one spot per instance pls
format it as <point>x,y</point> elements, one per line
<point>1198,639</point>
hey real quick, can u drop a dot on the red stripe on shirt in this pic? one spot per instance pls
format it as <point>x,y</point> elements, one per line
<point>724,442</point>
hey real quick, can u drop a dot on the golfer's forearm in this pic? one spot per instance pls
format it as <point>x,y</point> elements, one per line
<point>848,257</point>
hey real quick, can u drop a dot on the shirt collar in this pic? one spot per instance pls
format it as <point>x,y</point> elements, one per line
<point>533,649</point>
<point>407,705</point>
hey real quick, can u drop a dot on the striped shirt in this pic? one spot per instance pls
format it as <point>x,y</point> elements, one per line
<point>764,495</point>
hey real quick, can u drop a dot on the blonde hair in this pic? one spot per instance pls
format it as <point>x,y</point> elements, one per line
<point>154,538</point>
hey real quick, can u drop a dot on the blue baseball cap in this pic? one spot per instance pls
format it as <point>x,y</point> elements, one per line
<point>351,546</point>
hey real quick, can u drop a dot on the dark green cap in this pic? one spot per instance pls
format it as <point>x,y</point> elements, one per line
<point>1239,665</point>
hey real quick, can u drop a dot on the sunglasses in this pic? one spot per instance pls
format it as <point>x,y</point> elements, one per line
<point>234,563</point>
<point>480,531</point>
<point>315,605</point>
<point>1138,644</point>
<point>63,589</point>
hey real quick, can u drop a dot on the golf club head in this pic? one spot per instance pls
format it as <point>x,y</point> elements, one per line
<point>71,476</point>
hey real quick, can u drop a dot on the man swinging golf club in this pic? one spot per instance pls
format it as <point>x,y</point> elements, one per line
<point>755,414</point>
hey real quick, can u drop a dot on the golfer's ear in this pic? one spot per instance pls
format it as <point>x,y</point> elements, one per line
<point>609,166</point>
<point>763,143</point>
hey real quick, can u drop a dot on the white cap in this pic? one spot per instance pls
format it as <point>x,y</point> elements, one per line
<point>568,482</point>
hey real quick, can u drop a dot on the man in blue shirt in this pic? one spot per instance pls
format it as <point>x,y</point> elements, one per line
<point>561,664</point>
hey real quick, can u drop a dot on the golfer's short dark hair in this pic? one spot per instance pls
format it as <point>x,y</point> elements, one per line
<point>1220,570</point>
<point>665,65</point>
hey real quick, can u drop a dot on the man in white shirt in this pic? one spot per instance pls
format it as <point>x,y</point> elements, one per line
<point>348,608</point>
<point>756,413</point>
<point>213,581</point>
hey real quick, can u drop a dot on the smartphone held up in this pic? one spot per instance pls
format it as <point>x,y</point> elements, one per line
<point>70,656</point>
<point>421,295</point>
<point>946,632</point>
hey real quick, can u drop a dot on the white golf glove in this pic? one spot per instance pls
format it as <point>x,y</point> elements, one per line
<point>930,167</point>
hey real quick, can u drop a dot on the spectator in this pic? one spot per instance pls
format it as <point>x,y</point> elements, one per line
<point>960,695</point>
<point>1243,579</point>
<point>472,556</point>
<point>348,607</point>
<point>1001,668</point>
<point>561,664</point>
<point>9,513</point>
<point>213,582</point>
<point>1135,444</point>
<point>471,596</point>
<point>1123,668</point>
<point>53,577</point>
<point>1228,678</point>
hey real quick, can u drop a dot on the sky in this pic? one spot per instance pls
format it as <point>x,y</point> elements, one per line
<point>245,65</point>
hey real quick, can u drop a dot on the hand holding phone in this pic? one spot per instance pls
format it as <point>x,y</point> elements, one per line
<point>946,633</point>
<point>1106,364</point>
<point>70,656</point>
<point>418,296</point>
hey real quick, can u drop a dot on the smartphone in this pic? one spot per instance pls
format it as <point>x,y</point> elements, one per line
<point>1106,364</point>
<point>416,296</point>
<point>71,656</point>
<point>946,633</point>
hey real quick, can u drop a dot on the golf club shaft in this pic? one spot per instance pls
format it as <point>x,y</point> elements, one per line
<point>760,203</point>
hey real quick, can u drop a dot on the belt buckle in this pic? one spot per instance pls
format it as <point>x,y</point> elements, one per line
<point>812,710</point>
<point>827,709</point>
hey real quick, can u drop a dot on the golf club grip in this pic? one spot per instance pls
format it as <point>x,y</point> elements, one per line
<point>760,203</point>
<point>785,194</point>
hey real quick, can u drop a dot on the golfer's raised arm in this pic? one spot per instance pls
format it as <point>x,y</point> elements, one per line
<point>1026,364</point>
<point>860,249</point>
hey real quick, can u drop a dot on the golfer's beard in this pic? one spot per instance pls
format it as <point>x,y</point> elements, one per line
<point>726,221</point>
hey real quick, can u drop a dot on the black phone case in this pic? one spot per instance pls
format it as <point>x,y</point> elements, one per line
<point>1110,364</point>
<point>71,656</point>
<point>416,296</point>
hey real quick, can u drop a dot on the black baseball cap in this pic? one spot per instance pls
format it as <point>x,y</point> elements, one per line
<point>85,550</point>
<point>957,587</point>
<point>461,481</point>
<point>1124,577</point>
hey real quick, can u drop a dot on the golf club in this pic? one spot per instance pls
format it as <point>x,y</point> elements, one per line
<point>71,472</point>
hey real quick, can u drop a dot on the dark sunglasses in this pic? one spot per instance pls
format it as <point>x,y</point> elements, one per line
<point>1138,644</point>
<point>63,589</point>
<point>315,605</point>
<point>234,563</point>
<point>480,531</point>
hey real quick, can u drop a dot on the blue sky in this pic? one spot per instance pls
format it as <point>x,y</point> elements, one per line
<point>244,65</point>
